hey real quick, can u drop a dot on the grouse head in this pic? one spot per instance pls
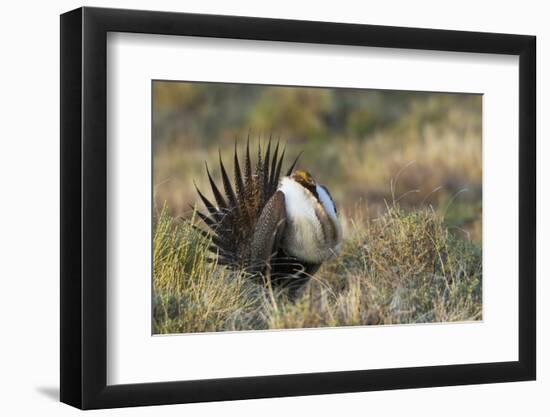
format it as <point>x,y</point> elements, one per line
<point>305,179</point>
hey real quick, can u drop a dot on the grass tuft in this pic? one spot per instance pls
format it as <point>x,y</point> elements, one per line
<point>402,267</point>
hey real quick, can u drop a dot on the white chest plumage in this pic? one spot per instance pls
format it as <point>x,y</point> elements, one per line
<point>313,233</point>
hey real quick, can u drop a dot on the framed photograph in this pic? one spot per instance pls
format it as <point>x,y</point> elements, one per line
<point>257,208</point>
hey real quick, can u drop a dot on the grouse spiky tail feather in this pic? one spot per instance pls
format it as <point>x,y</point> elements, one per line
<point>247,221</point>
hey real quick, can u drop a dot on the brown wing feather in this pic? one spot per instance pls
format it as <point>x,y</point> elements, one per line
<point>268,230</point>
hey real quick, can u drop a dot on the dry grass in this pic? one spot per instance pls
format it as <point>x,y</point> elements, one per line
<point>191,294</point>
<point>401,267</point>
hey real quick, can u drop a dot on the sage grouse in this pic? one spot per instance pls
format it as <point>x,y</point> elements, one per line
<point>279,229</point>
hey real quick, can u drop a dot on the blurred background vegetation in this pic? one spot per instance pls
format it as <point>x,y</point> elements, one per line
<point>371,148</point>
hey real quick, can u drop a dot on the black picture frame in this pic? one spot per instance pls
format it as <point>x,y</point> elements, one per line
<point>84,207</point>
